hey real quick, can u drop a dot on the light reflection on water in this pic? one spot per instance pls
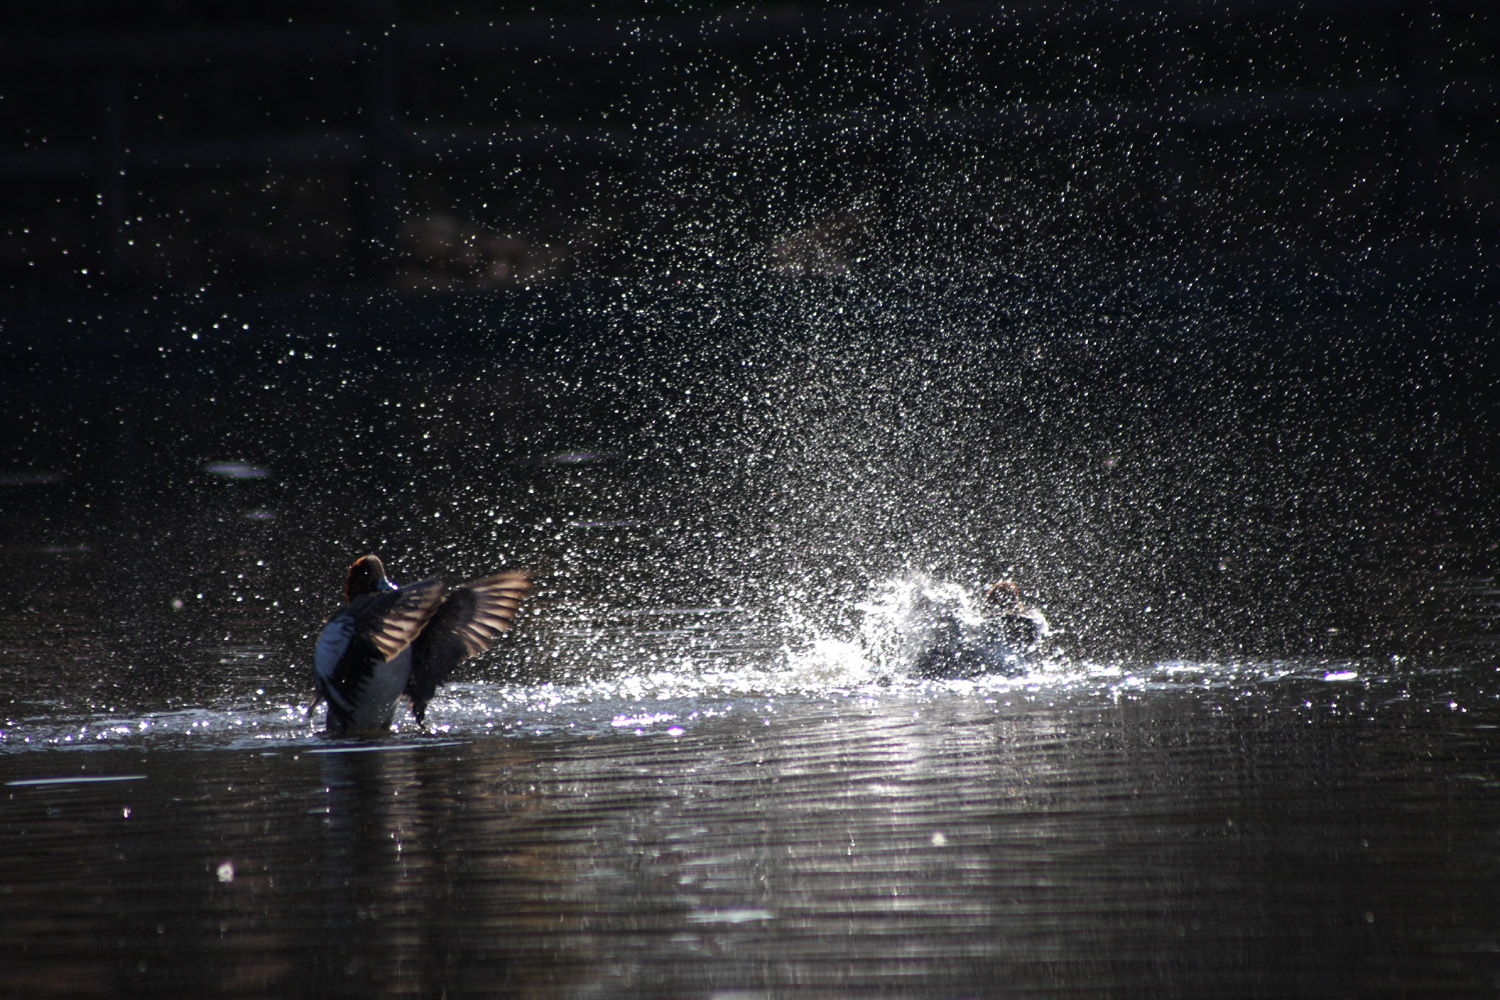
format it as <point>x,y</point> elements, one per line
<point>670,669</point>
<point>700,803</point>
<point>1030,838</point>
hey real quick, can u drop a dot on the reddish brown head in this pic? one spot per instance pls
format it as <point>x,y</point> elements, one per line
<point>1003,596</point>
<point>366,576</point>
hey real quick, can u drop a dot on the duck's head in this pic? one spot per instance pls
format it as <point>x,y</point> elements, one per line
<point>366,576</point>
<point>1002,596</point>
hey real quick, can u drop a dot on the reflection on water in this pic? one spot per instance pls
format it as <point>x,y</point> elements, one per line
<point>926,844</point>
<point>707,809</point>
<point>712,800</point>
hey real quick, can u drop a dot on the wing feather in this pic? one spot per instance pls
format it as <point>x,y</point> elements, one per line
<point>468,622</point>
<point>392,621</point>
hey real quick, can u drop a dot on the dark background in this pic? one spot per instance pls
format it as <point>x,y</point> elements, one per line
<point>208,146</point>
<point>1154,307</point>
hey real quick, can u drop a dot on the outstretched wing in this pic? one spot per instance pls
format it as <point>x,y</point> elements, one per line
<point>374,629</point>
<point>468,622</point>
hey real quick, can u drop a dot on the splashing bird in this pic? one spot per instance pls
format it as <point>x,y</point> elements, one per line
<point>947,641</point>
<point>1010,621</point>
<point>388,641</point>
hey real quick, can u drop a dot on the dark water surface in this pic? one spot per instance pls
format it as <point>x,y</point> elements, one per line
<point>1260,760</point>
<point>1296,836</point>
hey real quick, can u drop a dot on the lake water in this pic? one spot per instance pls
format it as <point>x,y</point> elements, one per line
<point>1259,760</point>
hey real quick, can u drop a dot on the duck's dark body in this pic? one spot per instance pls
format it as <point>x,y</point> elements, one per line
<point>1002,644</point>
<point>389,641</point>
<point>946,639</point>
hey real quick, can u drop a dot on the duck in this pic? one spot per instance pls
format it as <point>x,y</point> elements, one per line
<point>1006,620</point>
<point>389,641</point>
<point>952,644</point>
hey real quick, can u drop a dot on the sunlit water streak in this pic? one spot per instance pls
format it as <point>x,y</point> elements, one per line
<point>667,670</point>
<point>1181,830</point>
<point>725,800</point>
